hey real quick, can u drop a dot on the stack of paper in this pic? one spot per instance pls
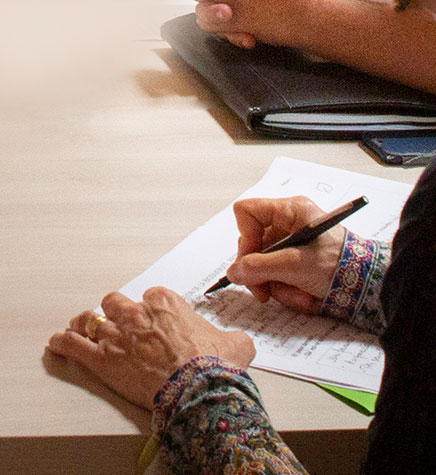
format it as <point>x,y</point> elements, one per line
<point>306,347</point>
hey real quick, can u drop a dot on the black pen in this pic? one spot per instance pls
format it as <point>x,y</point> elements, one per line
<point>307,234</point>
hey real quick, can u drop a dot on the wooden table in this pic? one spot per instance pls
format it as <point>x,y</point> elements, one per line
<point>89,200</point>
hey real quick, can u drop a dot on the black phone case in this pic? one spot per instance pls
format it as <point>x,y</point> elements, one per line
<point>405,151</point>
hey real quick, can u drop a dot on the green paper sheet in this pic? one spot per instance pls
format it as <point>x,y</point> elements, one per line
<point>360,400</point>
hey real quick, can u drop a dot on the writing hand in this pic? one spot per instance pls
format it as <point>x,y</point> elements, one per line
<point>298,277</point>
<point>140,345</point>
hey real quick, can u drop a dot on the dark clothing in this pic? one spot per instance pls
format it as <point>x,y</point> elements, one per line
<point>402,436</point>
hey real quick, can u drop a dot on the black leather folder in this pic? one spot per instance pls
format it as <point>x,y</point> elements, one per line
<point>281,92</point>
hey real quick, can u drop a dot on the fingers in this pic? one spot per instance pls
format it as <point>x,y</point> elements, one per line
<point>217,17</point>
<point>72,345</point>
<point>260,292</point>
<point>81,322</point>
<point>256,269</point>
<point>258,218</point>
<point>295,299</point>
<point>210,16</point>
<point>157,300</point>
<point>286,214</point>
<point>121,309</point>
<point>270,275</point>
<point>162,296</point>
<point>252,217</point>
<point>241,40</point>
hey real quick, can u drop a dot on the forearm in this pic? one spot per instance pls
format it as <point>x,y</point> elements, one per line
<point>372,37</point>
<point>210,419</point>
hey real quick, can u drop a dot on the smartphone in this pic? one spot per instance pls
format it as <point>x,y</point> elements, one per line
<point>406,151</point>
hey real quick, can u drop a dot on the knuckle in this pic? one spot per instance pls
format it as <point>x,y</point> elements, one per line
<point>200,9</point>
<point>129,310</point>
<point>292,259</point>
<point>248,265</point>
<point>237,209</point>
<point>109,298</point>
<point>159,297</point>
<point>73,321</point>
<point>304,203</point>
<point>301,199</point>
<point>69,339</point>
<point>157,293</point>
<point>242,205</point>
<point>86,314</point>
<point>238,205</point>
<point>79,319</point>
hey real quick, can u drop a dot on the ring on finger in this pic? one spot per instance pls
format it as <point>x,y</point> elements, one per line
<point>92,324</point>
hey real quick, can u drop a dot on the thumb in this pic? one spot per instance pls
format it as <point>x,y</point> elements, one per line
<point>257,268</point>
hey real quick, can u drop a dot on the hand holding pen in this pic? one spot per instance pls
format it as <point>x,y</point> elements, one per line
<point>288,250</point>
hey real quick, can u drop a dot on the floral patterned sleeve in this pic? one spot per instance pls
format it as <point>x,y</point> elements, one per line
<point>210,419</point>
<point>354,293</point>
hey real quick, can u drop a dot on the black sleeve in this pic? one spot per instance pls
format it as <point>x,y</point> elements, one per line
<point>402,436</point>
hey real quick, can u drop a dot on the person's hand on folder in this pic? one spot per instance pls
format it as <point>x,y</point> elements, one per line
<point>243,22</point>
<point>137,346</point>
<point>373,37</point>
<point>218,17</point>
<point>298,277</point>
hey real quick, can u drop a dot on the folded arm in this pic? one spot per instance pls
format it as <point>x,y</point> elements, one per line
<point>371,36</point>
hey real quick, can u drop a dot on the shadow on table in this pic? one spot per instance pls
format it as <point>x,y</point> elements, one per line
<point>73,373</point>
<point>184,81</point>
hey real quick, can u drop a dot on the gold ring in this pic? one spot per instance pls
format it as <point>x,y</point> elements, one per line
<point>92,325</point>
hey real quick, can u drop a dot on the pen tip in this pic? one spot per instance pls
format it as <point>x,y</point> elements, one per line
<point>211,289</point>
<point>224,282</point>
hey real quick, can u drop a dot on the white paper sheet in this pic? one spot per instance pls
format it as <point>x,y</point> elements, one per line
<point>306,347</point>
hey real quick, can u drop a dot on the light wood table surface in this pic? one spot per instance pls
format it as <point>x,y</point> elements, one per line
<point>88,201</point>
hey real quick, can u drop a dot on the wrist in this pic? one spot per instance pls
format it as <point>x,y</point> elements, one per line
<point>349,279</point>
<point>354,293</point>
<point>186,383</point>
